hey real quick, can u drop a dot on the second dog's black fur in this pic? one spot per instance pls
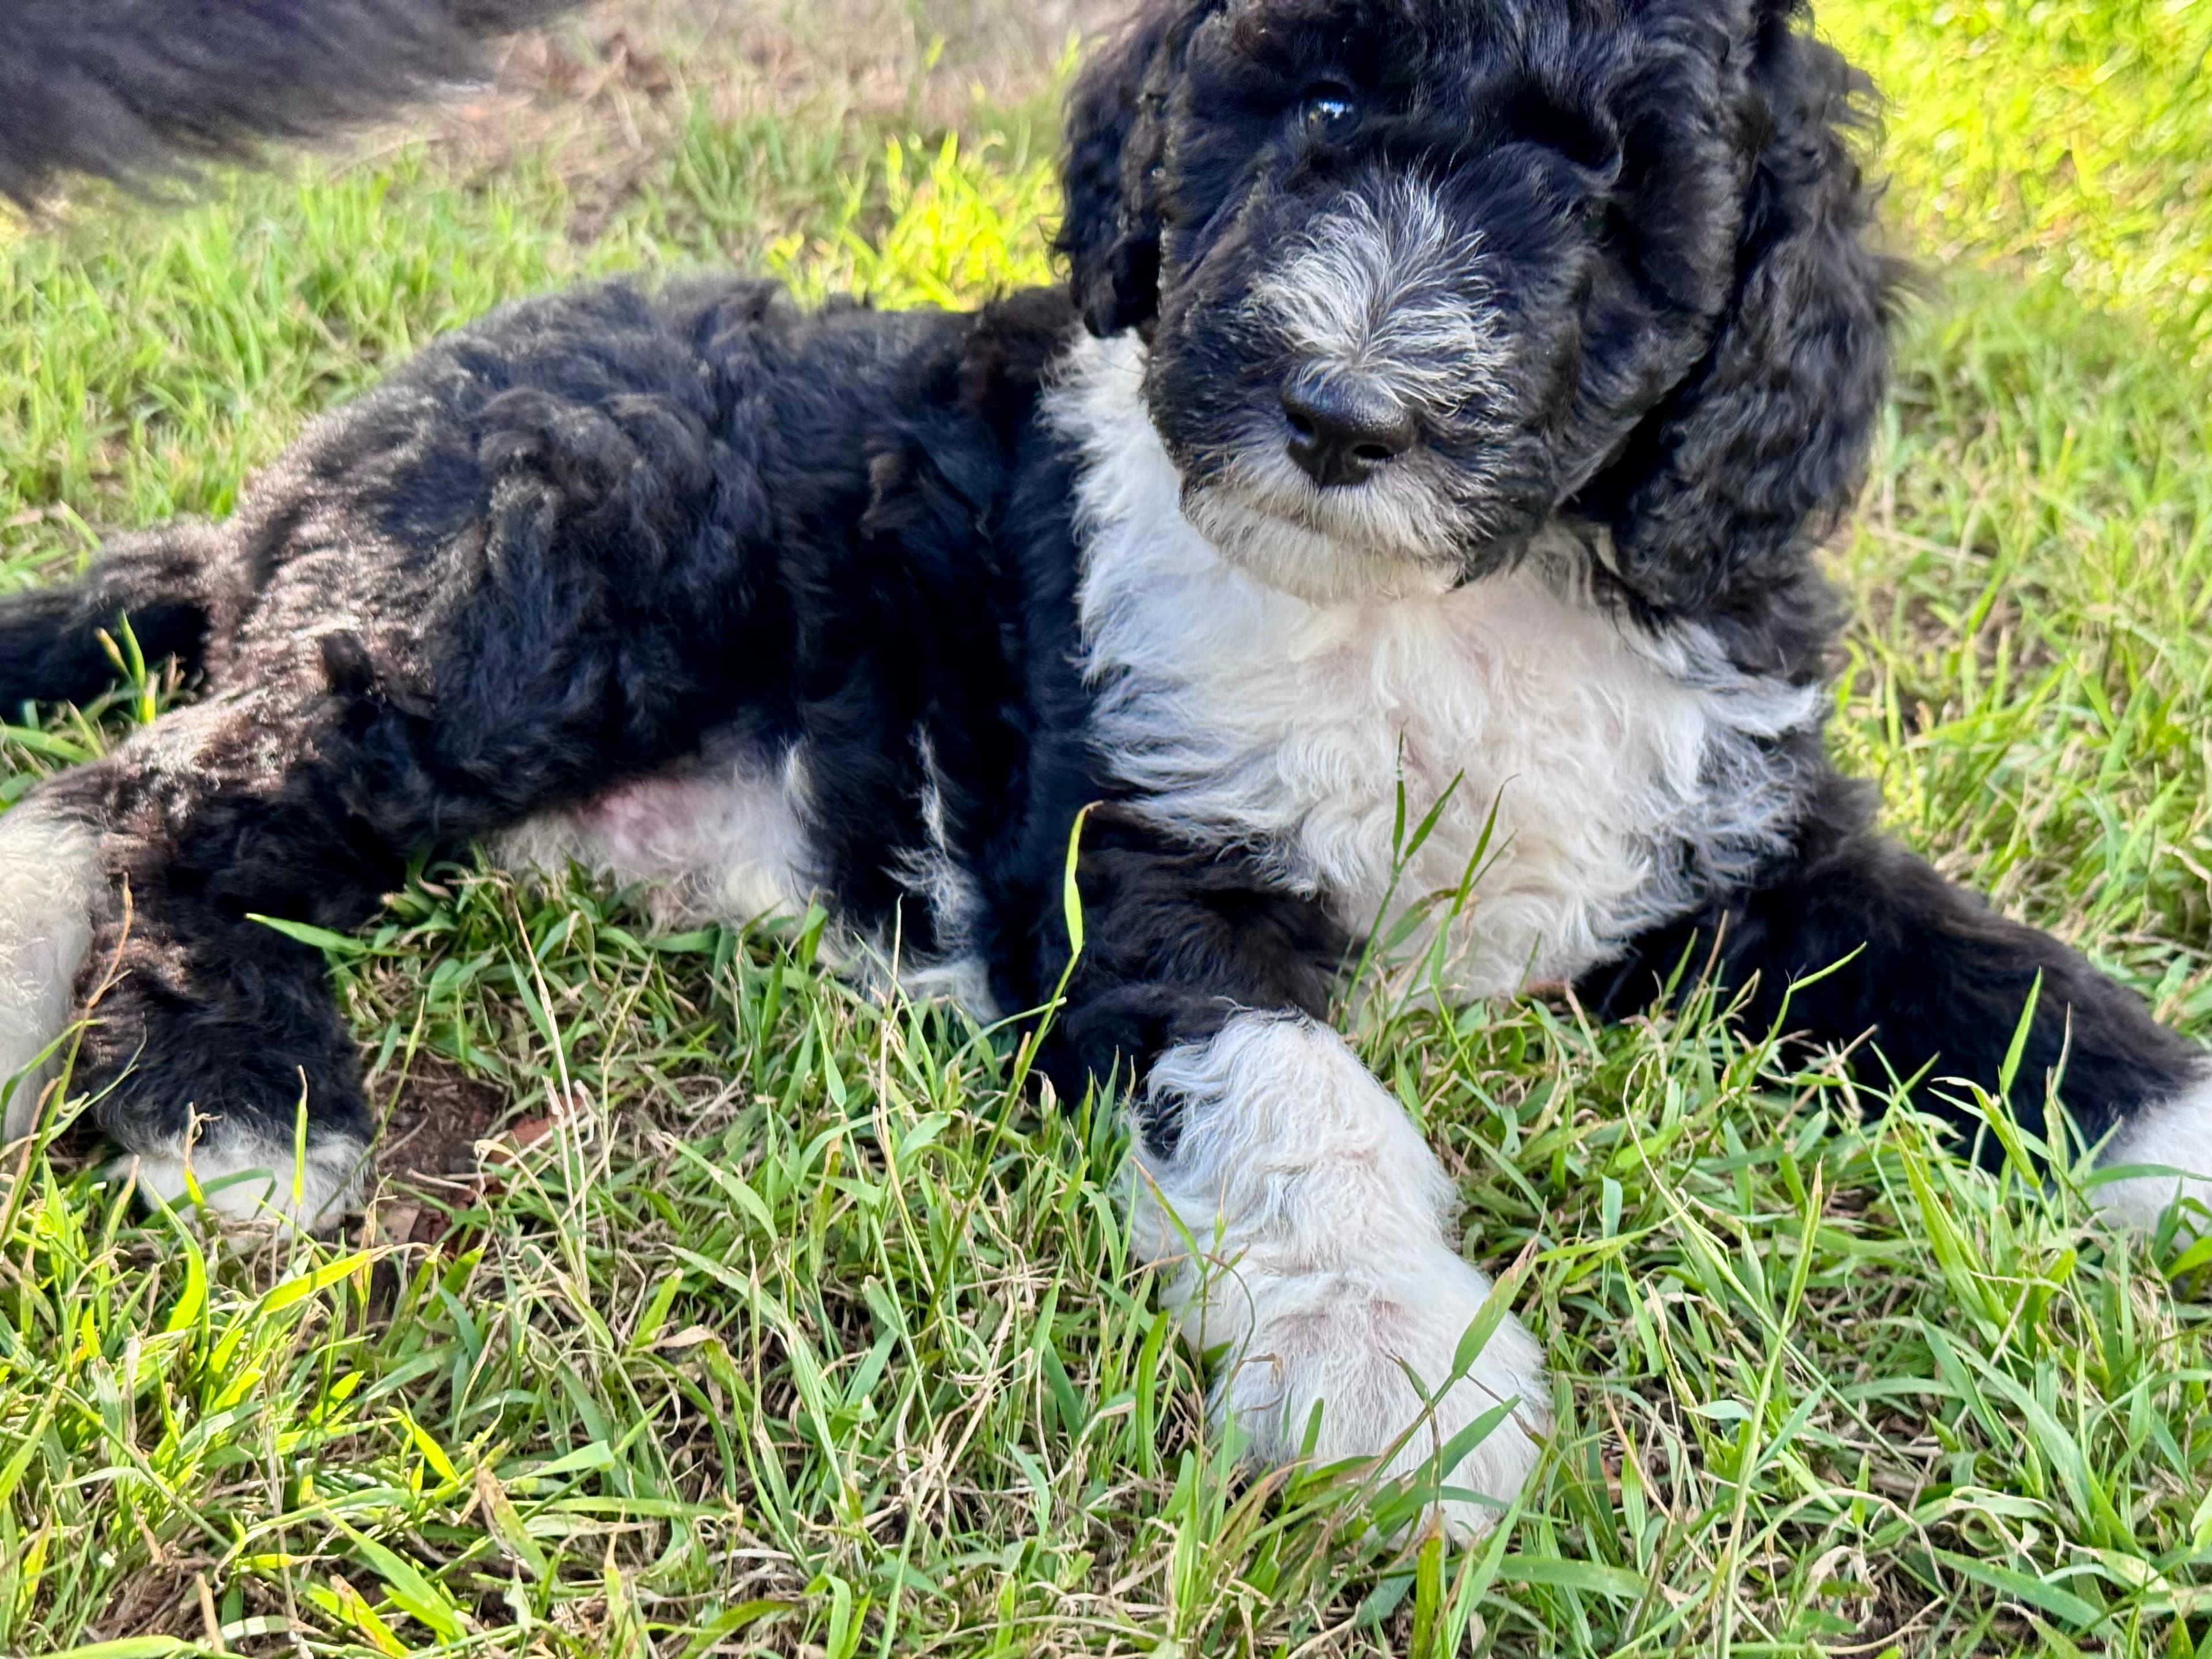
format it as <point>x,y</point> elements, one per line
<point>128,90</point>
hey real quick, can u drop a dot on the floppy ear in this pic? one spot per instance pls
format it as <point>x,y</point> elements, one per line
<point>1110,232</point>
<point>1762,446</point>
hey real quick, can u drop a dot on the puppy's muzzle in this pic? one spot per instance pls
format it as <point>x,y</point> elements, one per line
<point>1343,426</point>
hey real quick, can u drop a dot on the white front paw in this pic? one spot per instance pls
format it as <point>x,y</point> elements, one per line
<point>2175,1137</point>
<point>1307,1215</point>
<point>1344,1341</point>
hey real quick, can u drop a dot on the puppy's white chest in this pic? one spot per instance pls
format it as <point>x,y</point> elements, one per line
<point>1589,779</point>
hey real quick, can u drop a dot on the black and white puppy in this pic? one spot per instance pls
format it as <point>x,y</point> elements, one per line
<point>1447,396</point>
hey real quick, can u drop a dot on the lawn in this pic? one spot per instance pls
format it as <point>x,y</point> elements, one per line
<point>709,1307</point>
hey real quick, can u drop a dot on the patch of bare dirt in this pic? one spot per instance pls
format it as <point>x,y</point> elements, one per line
<point>432,1129</point>
<point>427,1165</point>
<point>605,93</point>
<point>159,1599</point>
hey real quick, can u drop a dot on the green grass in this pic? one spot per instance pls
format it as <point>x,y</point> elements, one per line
<point>783,1322</point>
<point>2066,137</point>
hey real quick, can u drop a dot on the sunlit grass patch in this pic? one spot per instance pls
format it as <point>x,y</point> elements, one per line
<point>972,225</point>
<point>2033,563</point>
<point>2072,137</point>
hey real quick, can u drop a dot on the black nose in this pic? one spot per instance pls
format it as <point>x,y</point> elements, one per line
<point>1342,427</point>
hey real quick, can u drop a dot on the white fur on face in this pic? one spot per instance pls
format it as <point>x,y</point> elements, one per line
<point>1627,768</point>
<point>1392,294</point>
<point>247,1179</point>
<point>1307,1215</point>
<point>1394,537</point>
<point>1395,294</point>
<point>50,882</point>
<point>2176,1135</point>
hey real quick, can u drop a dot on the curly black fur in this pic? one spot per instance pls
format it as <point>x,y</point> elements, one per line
<point>126,89</point>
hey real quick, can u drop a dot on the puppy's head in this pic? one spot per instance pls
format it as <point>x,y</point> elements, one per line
<point>1418,275</point>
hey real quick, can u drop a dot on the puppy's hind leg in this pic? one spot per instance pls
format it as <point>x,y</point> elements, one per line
<point>54,646</point>
<point>218,1059</point>
<point>50,887</point>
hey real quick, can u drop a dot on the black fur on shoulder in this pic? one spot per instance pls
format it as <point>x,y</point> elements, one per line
<point>128,89</point>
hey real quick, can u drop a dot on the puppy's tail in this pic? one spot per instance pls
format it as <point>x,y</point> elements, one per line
<point>125,89</point>
<point>61,644</point>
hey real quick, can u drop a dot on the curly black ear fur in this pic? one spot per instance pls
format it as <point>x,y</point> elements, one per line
<point>1762,448</point>
<point>1109,231</point>
<point>126,89</point>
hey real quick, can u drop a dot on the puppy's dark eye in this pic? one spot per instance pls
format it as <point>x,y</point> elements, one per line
<point>1597,218</point>
<point>1329,111</point>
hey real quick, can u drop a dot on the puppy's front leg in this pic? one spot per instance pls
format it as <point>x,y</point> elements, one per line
<point>1854,942</point>
<point>1310,1220</point>
<point>1305,1216</point>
